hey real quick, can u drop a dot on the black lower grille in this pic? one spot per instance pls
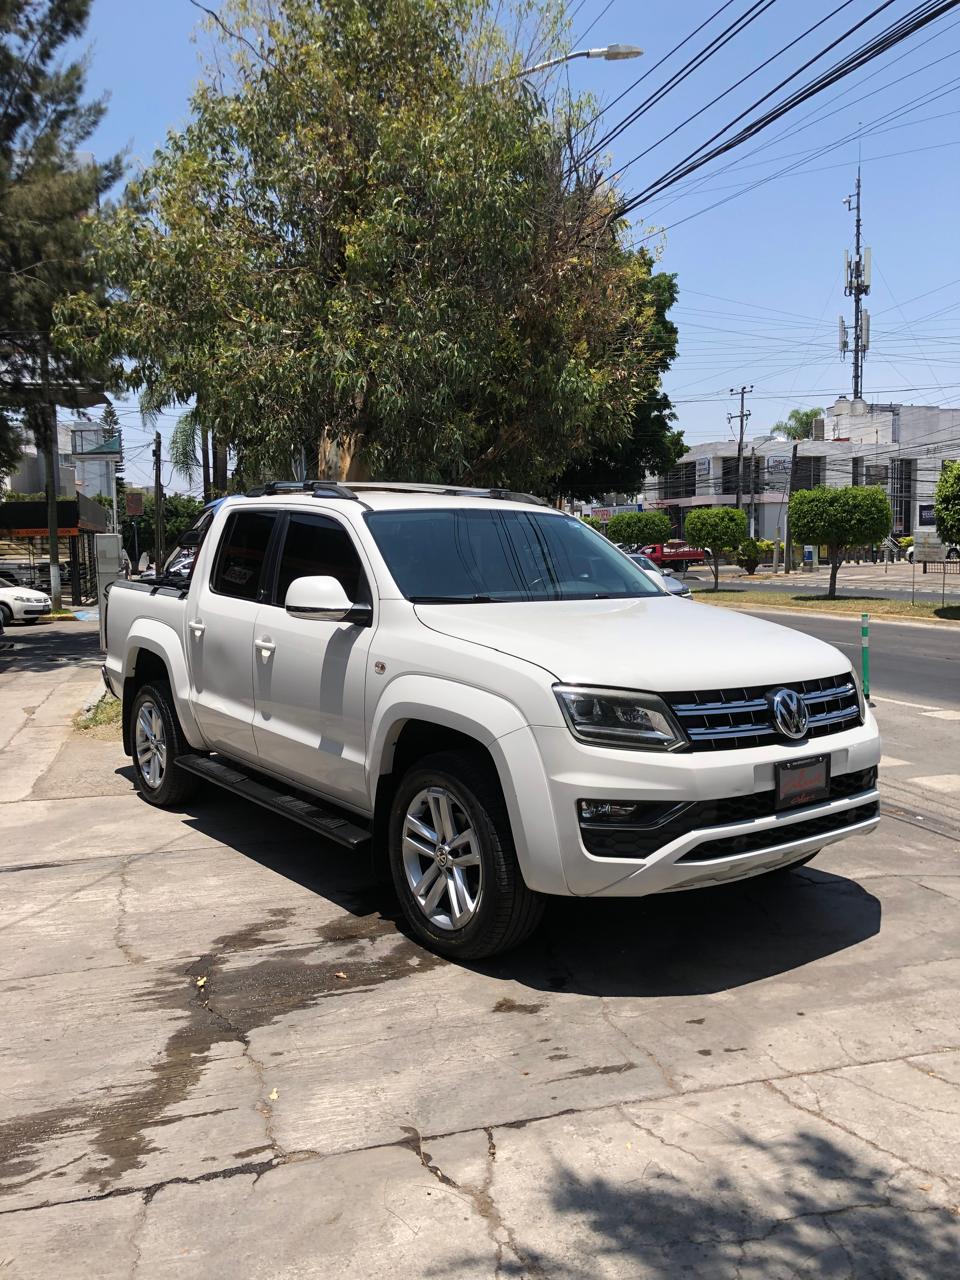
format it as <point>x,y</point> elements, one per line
<point>639,841</point>
<point>753,841</point>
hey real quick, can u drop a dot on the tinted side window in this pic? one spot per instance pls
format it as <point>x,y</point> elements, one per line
<point>315,547</point>
<point>243,548</point>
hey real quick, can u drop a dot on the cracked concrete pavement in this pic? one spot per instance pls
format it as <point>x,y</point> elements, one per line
<point>220,1055</point>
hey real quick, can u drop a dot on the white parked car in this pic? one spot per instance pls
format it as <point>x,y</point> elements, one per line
<point>488,696</point>
<point>664,577</point>
<point>22,604</point>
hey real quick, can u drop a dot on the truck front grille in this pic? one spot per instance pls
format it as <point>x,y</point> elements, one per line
<point>731,719</point>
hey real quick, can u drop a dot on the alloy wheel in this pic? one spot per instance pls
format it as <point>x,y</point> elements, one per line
<point>151,745</point>
<point>441,858</point>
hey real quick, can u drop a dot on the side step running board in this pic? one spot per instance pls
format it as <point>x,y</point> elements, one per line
<point>326,821</point>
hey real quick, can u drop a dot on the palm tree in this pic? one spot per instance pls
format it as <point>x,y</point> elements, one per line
<point>799,424</point>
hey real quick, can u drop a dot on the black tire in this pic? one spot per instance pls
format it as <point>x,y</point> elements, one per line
<point>175,785</point>
<point>953,554</point>
<point>506,911</point>
<point>6,614</point>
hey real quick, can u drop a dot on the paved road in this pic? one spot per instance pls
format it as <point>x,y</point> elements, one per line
<point>222,1058</point>
<point>893,582</point>
<point>918,662</point>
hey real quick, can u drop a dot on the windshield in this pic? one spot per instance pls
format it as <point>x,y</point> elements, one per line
<point>478,556</point>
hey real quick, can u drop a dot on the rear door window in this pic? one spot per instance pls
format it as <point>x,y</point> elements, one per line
<point>238,570</point>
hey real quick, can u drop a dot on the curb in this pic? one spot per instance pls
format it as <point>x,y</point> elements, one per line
<point>851,617</point>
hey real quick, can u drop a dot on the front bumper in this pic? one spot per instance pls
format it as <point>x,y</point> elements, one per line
<point>22,610</point>
<point>576,772</point>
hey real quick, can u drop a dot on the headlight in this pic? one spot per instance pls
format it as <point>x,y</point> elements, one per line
<point>24,599</point>
<point>614,718</point>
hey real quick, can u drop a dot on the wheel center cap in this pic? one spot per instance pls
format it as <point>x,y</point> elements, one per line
<point>442,855</point>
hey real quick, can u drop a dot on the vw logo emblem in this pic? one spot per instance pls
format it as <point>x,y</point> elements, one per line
<point>789,712</point>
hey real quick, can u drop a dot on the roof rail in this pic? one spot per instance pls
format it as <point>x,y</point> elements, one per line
<point>317,488</point>
<point>448,490</point>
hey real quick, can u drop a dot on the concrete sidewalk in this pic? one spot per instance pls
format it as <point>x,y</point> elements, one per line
<point>221,1058</point>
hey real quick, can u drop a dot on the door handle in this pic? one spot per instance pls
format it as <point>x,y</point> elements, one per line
<point>265,646</point>
<point>197,627</point>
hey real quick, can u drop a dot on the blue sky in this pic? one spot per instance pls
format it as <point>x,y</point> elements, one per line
<point>760,275</point>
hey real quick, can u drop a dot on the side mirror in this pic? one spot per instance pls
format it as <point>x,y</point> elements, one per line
<point>324,600</point>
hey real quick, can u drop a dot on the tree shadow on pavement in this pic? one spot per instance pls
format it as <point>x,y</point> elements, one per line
<point>799,1205</point>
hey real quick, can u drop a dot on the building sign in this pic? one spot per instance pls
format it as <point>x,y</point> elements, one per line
<point>703,468</point>
<point>134,504</point>
<point>606,514</point>
<point>876,473</point>
<point>778,466</point>
<point>925,516</point>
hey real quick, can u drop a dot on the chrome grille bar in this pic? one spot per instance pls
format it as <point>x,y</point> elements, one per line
<point>722,721</point>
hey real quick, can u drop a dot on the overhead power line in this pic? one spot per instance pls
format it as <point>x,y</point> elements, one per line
<point>918,17</point>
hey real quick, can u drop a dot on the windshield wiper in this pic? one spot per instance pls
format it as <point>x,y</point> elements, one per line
<point>450,599</point>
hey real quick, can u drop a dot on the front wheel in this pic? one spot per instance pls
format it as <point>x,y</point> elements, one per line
<point>453,862</point>
<point>158,741</point>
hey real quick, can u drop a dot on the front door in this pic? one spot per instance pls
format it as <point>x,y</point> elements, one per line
<point>309,676</point>
<point>219,636</point>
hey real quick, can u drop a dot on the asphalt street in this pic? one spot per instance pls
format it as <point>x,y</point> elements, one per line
<point>222,1057</point>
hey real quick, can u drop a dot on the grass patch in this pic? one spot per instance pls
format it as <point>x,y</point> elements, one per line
<point>104,716</point>
<point>852,606</point>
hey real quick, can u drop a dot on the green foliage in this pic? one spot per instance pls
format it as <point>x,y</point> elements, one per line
<point>639,528</point>
<point>906,542</point>
<point>946,504</point>
<point>715,529</point>
<point>749,554</point>
<point>799,424</point>
<point>356,249</point>
<point>179,512</point>
<point>45,193</point>
<point>593,522</point>
<point>838,519</point>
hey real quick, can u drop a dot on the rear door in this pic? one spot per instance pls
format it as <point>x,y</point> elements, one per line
<point>309,676</point>
<point>221,612</point>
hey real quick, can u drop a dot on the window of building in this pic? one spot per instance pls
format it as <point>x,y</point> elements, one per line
<point>808,473</point>
<point>680,481</point>
<point>319,547</point>
<point>858,471</point>
<point>729,477</point>
<point>239,567</point>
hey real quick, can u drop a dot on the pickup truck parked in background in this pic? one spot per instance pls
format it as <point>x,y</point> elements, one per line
<point>673,555</point>
<point>489,697</point>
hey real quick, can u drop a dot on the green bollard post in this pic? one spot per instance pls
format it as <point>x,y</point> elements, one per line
<point>865,653</point>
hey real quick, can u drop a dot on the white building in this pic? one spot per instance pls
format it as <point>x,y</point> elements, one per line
<point>901,447</point>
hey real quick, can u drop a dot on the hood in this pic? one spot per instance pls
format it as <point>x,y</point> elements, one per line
<point>659,643</point>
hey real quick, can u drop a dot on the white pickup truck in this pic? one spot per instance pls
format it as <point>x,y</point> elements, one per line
<point>488,695</point>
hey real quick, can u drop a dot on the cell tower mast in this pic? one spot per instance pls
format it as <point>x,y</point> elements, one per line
<point>856,275</point>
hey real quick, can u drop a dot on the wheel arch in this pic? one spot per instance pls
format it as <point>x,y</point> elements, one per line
<point>423,715</point>
<point>154,652</point>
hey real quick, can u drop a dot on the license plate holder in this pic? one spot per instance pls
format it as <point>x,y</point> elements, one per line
<point>800,782</point>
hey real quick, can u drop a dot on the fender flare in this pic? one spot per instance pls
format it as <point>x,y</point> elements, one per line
<point>498,725</point>
<point>162,640</point>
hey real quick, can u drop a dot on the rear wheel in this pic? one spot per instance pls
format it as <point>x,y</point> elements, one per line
<point>453,862</point>
<point>158,741</point>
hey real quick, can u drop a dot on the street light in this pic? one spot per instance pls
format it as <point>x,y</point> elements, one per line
<point>610,53</point>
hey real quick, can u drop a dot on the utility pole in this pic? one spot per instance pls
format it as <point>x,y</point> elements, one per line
<point>743,415</point>
<point>753,501</point>
<point>788,540</point>
<point>856,276</point>
<point>51,466</point>
<point>157,504</point>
